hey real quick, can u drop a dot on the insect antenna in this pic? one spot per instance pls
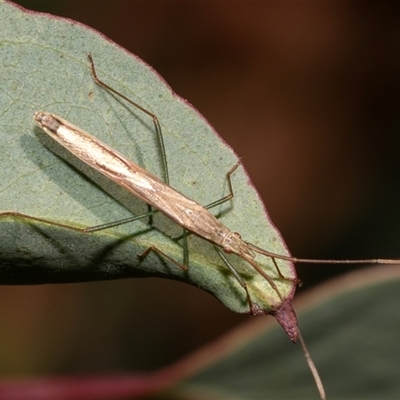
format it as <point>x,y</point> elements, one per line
<point>296,260</point>
<point>312,367</point>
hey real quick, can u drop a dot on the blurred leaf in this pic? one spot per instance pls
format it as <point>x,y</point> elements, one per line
<point>351,326</point>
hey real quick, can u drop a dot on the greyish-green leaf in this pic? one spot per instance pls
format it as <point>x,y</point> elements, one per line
<point>45,67</point>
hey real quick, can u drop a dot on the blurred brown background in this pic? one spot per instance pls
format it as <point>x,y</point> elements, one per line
<point>308,94</point>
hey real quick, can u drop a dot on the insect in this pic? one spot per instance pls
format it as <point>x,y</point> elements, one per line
<point>185,212</point>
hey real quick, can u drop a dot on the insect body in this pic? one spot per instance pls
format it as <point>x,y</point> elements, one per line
<point>187,213</point>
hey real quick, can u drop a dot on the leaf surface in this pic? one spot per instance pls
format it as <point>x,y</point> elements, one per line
<point>45,67</point>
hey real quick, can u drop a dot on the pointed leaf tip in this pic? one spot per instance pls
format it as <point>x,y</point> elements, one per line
<point>286,317</point>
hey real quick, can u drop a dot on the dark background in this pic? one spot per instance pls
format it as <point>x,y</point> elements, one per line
<point>308,94</point>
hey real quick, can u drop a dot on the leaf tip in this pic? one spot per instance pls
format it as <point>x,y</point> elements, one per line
<point>286,317</point>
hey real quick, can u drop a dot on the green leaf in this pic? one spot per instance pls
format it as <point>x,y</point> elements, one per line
<point>45,67</point>
<point>350,325</point>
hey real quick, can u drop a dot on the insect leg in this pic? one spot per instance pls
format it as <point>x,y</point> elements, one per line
<point>157,128</point>
<point>161,253</point>
<point>154,249</point>
<point>16,214</point>
<point>254,310</point>
<point>221,200</point>
<point>154,117</point>
<point>119,222</point>
<point>230,194</point>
